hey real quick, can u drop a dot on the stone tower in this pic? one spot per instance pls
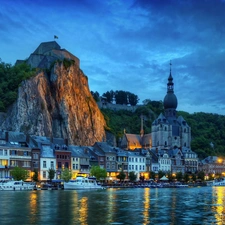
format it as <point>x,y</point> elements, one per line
<point>168,131</point>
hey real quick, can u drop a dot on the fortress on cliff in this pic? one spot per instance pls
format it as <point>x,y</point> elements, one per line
<point>46,54</point>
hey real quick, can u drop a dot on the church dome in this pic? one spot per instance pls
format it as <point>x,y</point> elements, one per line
<point>170,101</point>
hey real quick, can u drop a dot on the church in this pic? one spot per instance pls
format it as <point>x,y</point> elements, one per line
<point>170,138</point>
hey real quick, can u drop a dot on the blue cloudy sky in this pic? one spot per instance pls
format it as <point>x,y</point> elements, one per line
<point>128,44</point>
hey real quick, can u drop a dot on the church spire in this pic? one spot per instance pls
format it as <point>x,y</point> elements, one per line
<point>170,100</point>
<point>170,81</point>
<point>142,129</point>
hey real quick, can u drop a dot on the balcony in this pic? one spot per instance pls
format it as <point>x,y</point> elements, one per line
<point>19,157</point>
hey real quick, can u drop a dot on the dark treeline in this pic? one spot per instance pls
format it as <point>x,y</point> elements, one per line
<point>118,97</point>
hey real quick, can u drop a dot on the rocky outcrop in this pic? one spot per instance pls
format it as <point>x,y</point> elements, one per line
<point>57,104</point>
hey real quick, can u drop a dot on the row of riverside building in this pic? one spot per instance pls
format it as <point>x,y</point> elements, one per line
<point>167,148</point>
<point>42,153</point>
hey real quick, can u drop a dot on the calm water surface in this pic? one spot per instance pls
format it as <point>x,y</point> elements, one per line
<point>205,205</point>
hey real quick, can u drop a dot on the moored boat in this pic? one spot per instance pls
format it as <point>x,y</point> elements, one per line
<point>12,185</point>
<point>81,183</point>
<point>219,182</point>
<point>181,185</point>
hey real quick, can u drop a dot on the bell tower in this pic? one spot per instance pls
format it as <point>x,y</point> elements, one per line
<point>170,100</point>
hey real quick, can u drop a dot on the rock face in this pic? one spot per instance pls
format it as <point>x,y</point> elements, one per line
<point>56,104</point>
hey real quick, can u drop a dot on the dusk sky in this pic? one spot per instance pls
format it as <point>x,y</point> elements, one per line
<point>128,44</point>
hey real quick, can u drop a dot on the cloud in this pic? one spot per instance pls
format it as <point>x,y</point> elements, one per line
<point>128,45</point>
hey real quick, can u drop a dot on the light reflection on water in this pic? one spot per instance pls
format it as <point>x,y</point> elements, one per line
<point>205,205</point>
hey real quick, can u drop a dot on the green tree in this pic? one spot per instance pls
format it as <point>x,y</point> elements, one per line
<point>10,79</point>
<point>121,97</point>
<point>170,176</point>
<point>179,176</point>
<point>132,176</point>
<point>201,175</point>
<point>98,172</point>
<point>66,175</point>
<point>186,177</point>
<point>161,174</point>
<point>35,176</point>
<point>152,175</point>
<point>95,95</point>
<point>19,173</point>
<point>51,174</point>
<point>108,96</point>
<point>133,99</point>
<point>121,175</point>
<point>194,177</point>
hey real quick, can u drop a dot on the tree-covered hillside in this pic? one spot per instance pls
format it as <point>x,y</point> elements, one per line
<point>208,133</point>
<point>207,129</point>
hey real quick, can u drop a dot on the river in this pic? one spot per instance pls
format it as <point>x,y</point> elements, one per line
<point>203,205</point>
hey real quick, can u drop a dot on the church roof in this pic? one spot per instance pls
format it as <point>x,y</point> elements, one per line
<point>170,100</point>
<point>182,121</point>
<point>160,119</point>
<point>134,140</point>
<point>146,140</point>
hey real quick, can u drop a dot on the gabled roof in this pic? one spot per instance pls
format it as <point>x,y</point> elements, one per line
<point>134,140</point>
<point>146,140</point>
<point>187,150</point>
<point>161,119</point>
<point>47,151</point>
<point>16,137</point>
<point>104,146</point>
<point>182,121</point>
<point>79,151</point>
<point>2,135</point>
<point>120,152</point>
<point>76,150</point>
<point>174,152</point>
<point>210,159</point>
<point>38,141</point>
<point>59,141</point>
<point>134,153</point>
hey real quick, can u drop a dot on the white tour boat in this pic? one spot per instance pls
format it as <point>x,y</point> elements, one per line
<point>81,183</point>
<point>219,182</point>
<point>12,185</point>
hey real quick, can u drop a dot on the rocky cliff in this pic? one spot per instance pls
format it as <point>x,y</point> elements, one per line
<point>57,103</point>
